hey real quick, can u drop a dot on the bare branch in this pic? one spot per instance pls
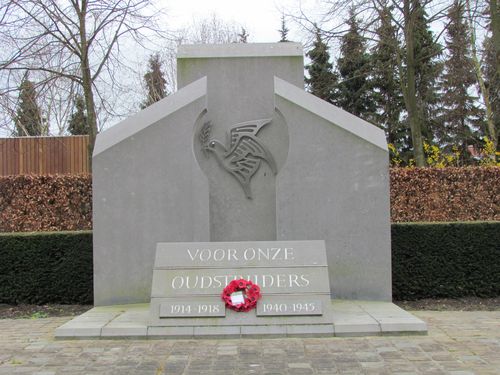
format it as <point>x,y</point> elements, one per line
<point>71,42</point>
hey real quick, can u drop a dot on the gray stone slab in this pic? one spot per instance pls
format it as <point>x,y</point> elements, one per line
<point>245,86</point>
<point>134,199</point>
<point>233,318</point>
<point>91,323</point>
<point>85,329</point>
<point>311,330</point>
<point>391,326</point>
<point>260,331</point>
<point>150,115</point>
<point>124,330</point>
<point>354,330</point>
<point>204,51</point>
<point>217,332</point>
<point>173,332</point>
<point>333,114</point>
<point>350,320</point>
<point>240,254</point>
<point>185,308</point>
<point>132,322</point>
<point>191,295</point>
<point>382,309</point>
<point>290,305</point>
<point>392,318</point>
<point>343,199</point>
<point>96,318</point>
<point>172,283</point>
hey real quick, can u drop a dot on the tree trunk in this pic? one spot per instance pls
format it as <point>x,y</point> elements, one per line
<point>485,93</point>
<point>89,103</point>
<point>490,124</point>
<point>409,90</point>
<point>87,81</point>
<point>495,34</point>
<point>495,30</point>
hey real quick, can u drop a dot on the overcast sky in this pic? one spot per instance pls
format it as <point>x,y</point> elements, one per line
<point>261,18</point>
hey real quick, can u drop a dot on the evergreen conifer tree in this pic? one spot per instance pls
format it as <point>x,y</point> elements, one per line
<point>28,118</point>
<point>387,94</point>
<point>155,81</point>
<point>322,80</point>
<point>460,117</point>
<point>283,30</point>
<point>77,124</point>
<point>354,89</point>
<point>427,71</point>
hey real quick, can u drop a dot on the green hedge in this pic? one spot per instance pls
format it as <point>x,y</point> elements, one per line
<point>50,267</point>
<point>445,260</point>
<point>429,260</point>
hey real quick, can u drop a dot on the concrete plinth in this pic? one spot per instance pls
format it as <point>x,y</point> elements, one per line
<point>350,318</point>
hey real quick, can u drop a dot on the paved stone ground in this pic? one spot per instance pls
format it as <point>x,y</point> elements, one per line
<point>458,343</point>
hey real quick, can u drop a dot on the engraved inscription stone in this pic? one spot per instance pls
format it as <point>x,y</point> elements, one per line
<point>299,306</point>
<point>188,279</point>
<point>211,281</point>
<point>250,318</point>
<point>250,253</point>
<point>188,309</point>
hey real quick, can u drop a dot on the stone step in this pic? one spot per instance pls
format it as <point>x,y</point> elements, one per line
<point>350,318</point>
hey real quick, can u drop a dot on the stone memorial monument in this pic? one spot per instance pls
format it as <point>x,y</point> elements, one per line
<point>188,279</point>
<point>239,158</point>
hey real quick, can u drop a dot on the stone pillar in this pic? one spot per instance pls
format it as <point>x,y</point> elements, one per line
<point>240,89</point>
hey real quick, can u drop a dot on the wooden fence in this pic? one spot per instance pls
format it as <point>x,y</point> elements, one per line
<point>44,155</point>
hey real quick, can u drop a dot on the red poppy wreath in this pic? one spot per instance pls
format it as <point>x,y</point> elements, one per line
<point>250,291</point>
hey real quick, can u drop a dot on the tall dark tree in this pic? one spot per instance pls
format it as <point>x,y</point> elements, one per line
<point>283,30</point>
<point>461,117</point>
<point>28,118</point>
<point>322,80</point>
<point>428,68</point>
<point>155,81</point>
<point>388,96</point>
<point>492,82</point>
<point>354,89</point>
<point>494,13</point>
<point>78,122</point>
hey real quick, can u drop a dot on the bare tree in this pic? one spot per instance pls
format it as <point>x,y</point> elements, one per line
<point>56,102</point>
<point>52,98</point>
<point>76,40</point>
<point>328,16</point>
<point>211,30</point>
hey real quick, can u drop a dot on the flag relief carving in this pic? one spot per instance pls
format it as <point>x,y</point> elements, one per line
<point>243,152</point>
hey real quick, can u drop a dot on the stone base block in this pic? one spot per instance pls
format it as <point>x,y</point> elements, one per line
<point>350,318</point>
